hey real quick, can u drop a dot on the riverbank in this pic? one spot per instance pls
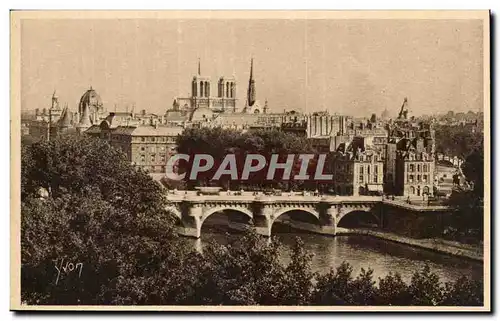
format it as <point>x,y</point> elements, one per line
<point>472,252</point>
<point>468,251</point>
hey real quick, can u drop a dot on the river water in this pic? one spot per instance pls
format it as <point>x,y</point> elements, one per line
<point>363,252</point>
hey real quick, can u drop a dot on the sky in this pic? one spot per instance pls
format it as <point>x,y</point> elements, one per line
<point>354,67</point>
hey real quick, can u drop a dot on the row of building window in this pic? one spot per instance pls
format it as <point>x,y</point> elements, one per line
<point>362,178</point>
<point>369,158</point>
<point>419,191</point>
<point>152,158</point>
<point>158,139</point>
<point>423,157</point>
<point>420,168</point>
<point>153,149</point>
<point>420,178</point>
<point>368,167</point>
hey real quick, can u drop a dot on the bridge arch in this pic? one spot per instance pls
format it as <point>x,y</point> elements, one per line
<point>211,211</point>
<point>280,212</point>
<point>358,217</point>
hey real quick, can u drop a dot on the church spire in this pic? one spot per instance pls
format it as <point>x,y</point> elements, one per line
<point>251,86</point>
<point>199,67</point>
<point>251,69</point>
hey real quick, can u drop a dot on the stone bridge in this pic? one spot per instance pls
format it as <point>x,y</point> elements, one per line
<point>263,211</point>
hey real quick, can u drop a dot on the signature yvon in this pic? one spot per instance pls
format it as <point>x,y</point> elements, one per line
<point>70,267</point>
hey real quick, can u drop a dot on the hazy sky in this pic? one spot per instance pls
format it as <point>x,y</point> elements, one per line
<point>345,66</point>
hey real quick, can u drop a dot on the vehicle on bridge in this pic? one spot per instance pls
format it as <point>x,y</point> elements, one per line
<point>208,190</point>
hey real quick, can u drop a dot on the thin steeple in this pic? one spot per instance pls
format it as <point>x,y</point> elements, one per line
<point>199,67</point>
<point>251,86</point>
<point>251,69</point>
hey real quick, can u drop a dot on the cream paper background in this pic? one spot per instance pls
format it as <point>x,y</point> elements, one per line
<point>15,50</point>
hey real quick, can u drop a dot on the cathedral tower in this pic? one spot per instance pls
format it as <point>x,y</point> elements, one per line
<point>200,92</point>
<point>218,99</point>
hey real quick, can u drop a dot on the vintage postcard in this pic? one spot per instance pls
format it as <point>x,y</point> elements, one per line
<point>250,160</point>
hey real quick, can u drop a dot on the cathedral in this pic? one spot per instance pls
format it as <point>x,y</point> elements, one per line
<point>205,104</point>
<point>203,94</point>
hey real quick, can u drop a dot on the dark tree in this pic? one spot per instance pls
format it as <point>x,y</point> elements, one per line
<point>468,201</point>
<point>100,212</point>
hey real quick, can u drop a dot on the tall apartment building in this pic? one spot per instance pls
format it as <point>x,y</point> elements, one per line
<point>358,169</point>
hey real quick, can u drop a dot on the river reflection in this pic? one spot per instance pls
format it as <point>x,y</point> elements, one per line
<point>364,252</point>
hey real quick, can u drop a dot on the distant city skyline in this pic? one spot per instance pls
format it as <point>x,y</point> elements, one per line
<point>355,67</point>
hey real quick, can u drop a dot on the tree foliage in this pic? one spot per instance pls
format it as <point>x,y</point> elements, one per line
<point>100,212</point>
<point>473,169</point>
<point>468,221</point>
<point>457,140</point>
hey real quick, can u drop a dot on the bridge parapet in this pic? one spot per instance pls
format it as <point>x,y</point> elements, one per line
<point>275,198</point>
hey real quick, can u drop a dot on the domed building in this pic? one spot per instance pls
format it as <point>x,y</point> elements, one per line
<point>92,102</point>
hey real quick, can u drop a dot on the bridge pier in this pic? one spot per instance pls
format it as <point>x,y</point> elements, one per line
<point>191,223</point>
<point>189,232</point>
<point>263,221</point>
<point>328,221</point>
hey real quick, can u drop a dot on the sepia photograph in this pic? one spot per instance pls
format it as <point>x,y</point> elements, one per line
<point>250,160</point>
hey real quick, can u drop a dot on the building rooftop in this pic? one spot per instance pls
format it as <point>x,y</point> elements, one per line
<point>94,129</point>
<point>115,119</point>
<point>139,130</point>
<point>157,131</point>
<point>237,119</point>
